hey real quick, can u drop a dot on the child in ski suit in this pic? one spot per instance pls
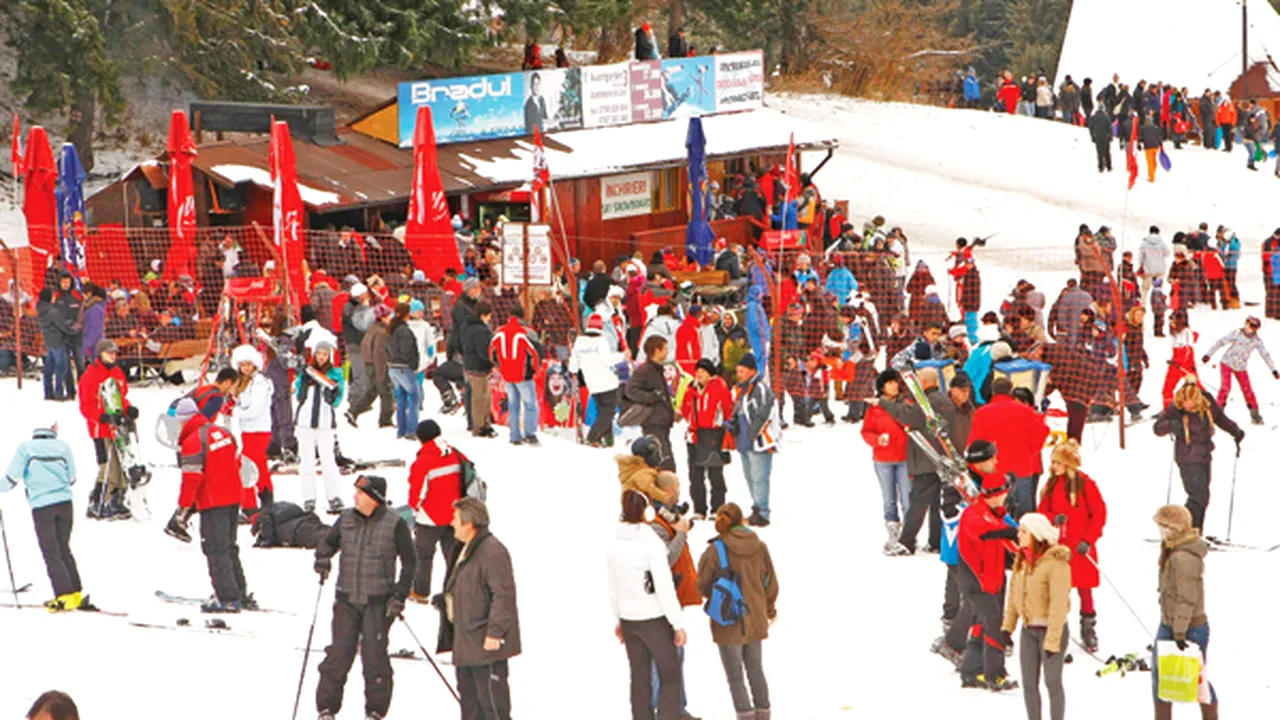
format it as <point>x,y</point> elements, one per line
<point>253,391</point>
<point>316,421</point>
<point>1183,361</point>
<point>45,464</point>
<point>1235,363</point>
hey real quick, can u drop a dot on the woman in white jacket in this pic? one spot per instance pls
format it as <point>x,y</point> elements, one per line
<point>647,611</point>
<point>596,359</point>
<point>318,390</point>
<point>253,392</point>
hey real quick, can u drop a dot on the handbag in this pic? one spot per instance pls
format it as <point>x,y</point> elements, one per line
<point>635,415</point>
<point>1179,672</point>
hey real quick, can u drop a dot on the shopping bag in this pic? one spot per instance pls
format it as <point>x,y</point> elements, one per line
<point>1179,672</point>
<point>1165,162</point>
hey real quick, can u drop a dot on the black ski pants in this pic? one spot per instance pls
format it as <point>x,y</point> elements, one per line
<point>425,539</point>
<point>606,402</point>
<point>698,477</point>
<point>1228,136</point>
<point>649,642</point>
<point>485,693</point>
<point>53,532</point>
<point>1104,155</point>
<point>218,543</point>
<point>364,627</point>
<point>1195,481</point>
<point>926,497</point>
<point>984,651</point>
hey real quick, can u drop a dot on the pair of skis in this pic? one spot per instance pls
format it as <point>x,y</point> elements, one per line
<point>356,466</point>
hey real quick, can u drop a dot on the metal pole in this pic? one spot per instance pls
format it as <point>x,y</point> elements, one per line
<point>17,310</point>
<point>1244,50</point>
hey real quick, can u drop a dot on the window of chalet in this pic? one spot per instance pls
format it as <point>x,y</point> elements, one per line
<point>667,190</point>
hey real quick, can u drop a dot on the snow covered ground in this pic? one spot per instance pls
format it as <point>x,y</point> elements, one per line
<point>854,626</point>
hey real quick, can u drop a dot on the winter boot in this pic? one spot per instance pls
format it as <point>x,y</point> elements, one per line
<point>214,605</point>
<point>897,549</point>
<point>249,602</point>
<point>1255,416</point>
<point>115,508</point>
<point>266,497</point>
<point>94,512</point>
<point>1089,631</point>
<point>335,506</point>
<point>894,528</point>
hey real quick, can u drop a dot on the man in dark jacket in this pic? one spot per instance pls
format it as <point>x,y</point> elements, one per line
<point>464,310</point>
<point>54,333</point>
<point>480,622</point>
<point>926,487</point>
<point>1086,97</point>
<point>357,318</point>
<point>474,341</point>
<point>677,46</point>
<point>1110,95</point>
<point>69,302</point>
<point>1100,133</point>
<point>1208,110</point>
<point>369,597</point>
<point>598,286</point>
<point>377,378</point>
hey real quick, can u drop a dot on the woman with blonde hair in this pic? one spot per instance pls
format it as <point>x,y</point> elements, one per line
<point>1073,502</point>
<point>1182,613</point>
<point>739,553</point>
<point>1040,595</point>
<point>1190,418</point>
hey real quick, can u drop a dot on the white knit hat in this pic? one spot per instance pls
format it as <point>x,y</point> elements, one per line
<point>246,353</point>
<point>1039,527</point>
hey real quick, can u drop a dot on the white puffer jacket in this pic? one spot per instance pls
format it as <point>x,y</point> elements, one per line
<point>636,550</point>
<point>593,356</point>
<point>253,406</point>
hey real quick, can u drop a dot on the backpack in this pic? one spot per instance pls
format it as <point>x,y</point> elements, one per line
<point>472,485</point>
<point>726,606</point>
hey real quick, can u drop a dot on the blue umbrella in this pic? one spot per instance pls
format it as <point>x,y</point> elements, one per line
<point>698,236</point>
<point>70,197</point>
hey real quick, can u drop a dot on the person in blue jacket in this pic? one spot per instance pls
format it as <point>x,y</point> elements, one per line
<point>978,366</point>
<point>1229,249</point>
<point>757,319</point>
<point>840,282</point>
<point>786,217</point>
<point>45,465</point>
<point>972,89</point>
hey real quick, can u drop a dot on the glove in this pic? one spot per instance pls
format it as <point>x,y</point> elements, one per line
<point>132,412</point>
<point>395,606</point>
<point>437,601</point>
<point>1059,520</point>
<point>1204,360</point>
<point>1181,643</point>
<point>110,418</point>
<point>1083,547</point>
<point>323,566</point>
<point>1275,374</point>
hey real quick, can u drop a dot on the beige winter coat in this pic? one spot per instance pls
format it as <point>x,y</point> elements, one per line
<point>1182,582</point>
<point>1040,595</point>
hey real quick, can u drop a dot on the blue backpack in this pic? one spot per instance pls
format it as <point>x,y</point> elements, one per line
<point>726,607</point>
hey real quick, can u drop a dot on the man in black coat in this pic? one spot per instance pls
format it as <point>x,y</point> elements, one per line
<point>1100,132</point>
<point>1086,97</point>
<point>474,344</point>
<point>597,288</point>
<point>1207,111</point>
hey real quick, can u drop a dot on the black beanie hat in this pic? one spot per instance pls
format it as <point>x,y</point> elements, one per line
<point>884,378</point>
<point>428,430</point>
<point>706,364</point>
<point>980,450</point>
<point>375,486</point>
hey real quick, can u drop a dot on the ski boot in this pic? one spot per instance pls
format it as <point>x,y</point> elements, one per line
<point>894,528</point>
<point>325,715</point>
<point>115,508</point>
<point>1255,416</point>
<point>1001,684</point>
<point>940,647</point>
<point>335,506</point>
<point>1089,631</point>
<point>94,512</point>
<point>1135,411</point>
<point>214,605</point>
<point>973,681</point>
<point>64,603</point>
<point>309,506</point>
<point>249,602</point>
<point>179,524</point>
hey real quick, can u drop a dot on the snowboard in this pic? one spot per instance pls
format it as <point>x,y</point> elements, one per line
<point>126,435</point>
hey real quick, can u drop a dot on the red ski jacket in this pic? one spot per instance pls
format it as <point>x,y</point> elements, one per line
<point>210,466</point>
<point>91,399</point>
<point>984,557</point>
<point>513,352</point>
<point>708,408</point>
<point>1017,430</point>
<point>1085,520</point>
<point>1009,94</point>
<point>435,482</point>
<point>877,422</point>
<point>1211,262</point>
<point>688,342</point>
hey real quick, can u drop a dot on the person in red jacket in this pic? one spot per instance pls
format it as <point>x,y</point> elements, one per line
<point>984,541</point>
<point>1009,94</point>
<point>106,501</point>
<point>888,443</point>
<point>1072,501</point>
<point>435,482</point>
<point>1215,278</point>
<point>689,342</point>
<point>1019,431</point>
<point>708,404</point>
<point>211,482</point>
<point>517,359</point>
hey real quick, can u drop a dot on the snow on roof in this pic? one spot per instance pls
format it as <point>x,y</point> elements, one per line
<point>605,151</point>
<point>236,174</point>
<point>1198,43</point>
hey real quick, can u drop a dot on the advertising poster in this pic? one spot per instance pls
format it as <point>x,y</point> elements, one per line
<point>739,81</point>
<point>552,100</point>
<point>646,91</point>
<point>606,95</point>
<point>626,195</point>
<point>513,250</point>
<point>466,108</point>
<point>688,87</point>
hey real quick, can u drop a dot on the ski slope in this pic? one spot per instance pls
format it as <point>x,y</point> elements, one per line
<point>854,627</point>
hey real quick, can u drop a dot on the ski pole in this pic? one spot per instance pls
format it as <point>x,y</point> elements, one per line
<point>297,698</point>
<point>13,585</point>
<point>427,655</point>
<point>1168,493</point>
<point>1117,591</point>
<point>1231,509</point>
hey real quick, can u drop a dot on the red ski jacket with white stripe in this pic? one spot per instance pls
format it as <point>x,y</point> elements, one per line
<point>435,482</point>
<point>513,352</point>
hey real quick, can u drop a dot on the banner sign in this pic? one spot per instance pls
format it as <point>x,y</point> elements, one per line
<point>626,195</point>
<point>514,237</point>
<point>646,91</point>
<point>739,81</point>
<point>552,100</point>
<point>606,95</point>
<point>466,108</point>
<point>688,87</point>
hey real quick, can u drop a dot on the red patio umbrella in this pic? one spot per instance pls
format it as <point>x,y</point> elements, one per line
<point>428,233</point>
<point>182,200</point>
<point>287,211</point>
<point>40,205</point>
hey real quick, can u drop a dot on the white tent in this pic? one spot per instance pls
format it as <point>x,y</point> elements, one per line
<point>1188,43</point>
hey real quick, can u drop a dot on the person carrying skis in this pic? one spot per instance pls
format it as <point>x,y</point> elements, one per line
<point>984,539</point>
<point>318,391</point>
<point>211,483</point>
<point>106,501</point>
<point>1040,596</point>
<point>708,405</point>
<point>1073,502</point>
<point>1235,363</point>
<point>48,469</point>
<point>253,392</point>
<point>1182,610</point>
<point>1190,419</point>
<point>370,596</point>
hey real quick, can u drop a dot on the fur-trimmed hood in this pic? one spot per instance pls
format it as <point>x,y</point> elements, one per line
<point>635,474</point>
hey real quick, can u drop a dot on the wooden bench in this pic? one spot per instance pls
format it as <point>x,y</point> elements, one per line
<point>183,354</point>
<point>702,277</point>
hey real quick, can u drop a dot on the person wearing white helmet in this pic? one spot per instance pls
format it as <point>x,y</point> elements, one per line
<point>252,392</point>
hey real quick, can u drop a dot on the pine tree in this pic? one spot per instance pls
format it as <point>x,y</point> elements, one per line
<point>228,49</point>
<point>355,35</point>
<point>1033,34</point>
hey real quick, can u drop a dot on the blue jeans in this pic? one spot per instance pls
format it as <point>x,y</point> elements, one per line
<point>756,467</point>
<point>56,369</point>
<point>1198,634</point>
<point>408,392</point>
<point>1022,496</point>
<point>522,396</point>
<point>895,488</point>
<point>653,671</point>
